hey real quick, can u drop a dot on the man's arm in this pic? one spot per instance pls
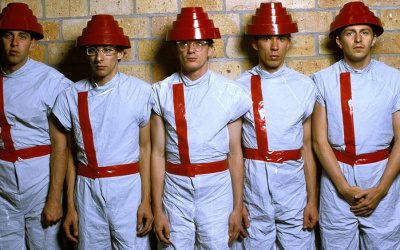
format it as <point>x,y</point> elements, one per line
<point>370,198</point>
<point>71,218</point>
<point>144,214</point>
<point>310,173</point>
<point>326,155</point>
<point>52,211</point>
<point>161,226</point>
<point>235,163</point>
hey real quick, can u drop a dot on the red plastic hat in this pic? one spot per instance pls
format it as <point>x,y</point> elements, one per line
<point>271,19</point>
<point>18,16</point>
<point>103,30</point>
<point>355,13</point>
<point>193,24</point>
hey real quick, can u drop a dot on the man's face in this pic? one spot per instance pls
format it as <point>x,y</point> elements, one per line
<point>271,51</point>
<point>104,62</point>
<point>356,42</point>
<point>14,48</point>
<point>193,56</point>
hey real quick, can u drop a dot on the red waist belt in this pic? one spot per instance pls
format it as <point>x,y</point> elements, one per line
<point>110,171</point>
<point>272,156</point>
<point>363,158</point>
<point>26,153</point>
<point>193,169</point>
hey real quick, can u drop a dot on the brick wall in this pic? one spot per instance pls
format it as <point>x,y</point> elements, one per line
<point>146,21</point>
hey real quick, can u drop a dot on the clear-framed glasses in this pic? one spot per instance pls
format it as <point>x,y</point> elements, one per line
<point>197,45</point>
<point>107,51</point>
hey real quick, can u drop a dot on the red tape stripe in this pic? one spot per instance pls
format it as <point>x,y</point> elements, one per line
<point>86,128</point>
<point>5,127</point>
<point>180,121</point>
<point>347,113</point>
<point>259,115</point>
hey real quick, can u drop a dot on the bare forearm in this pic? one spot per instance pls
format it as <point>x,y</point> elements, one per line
<point>144,162</point>
<point>157,182</point>
<point>310,173</point>
<point>236,170</point>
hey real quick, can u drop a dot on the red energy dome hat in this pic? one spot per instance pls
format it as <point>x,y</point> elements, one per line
<point>18,16</point>
<point>103,30</point>
<point>271,19</point>
<point>192,24</point>
<point>355,13</point>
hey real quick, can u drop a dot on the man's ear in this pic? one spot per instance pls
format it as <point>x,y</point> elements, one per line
<point>374,40</point>
<point>254,44</point>
<point>33,44</point>
<point>339,44</point>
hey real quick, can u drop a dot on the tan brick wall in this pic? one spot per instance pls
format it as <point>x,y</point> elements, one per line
<point>151,58</point>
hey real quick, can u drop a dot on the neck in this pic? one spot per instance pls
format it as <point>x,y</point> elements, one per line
<point>194,75</point>
<point>358,64</point>
<point>101,81</point>
<point>9,68</point>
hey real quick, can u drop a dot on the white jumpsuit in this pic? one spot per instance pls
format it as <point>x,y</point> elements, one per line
<point>107,206</point>
<point>275,189</point>
<point>374,95</point>
<point>198,207</point>
<point>28,95</point>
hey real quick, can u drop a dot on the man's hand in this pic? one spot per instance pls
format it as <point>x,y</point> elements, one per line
<point>161,228</point>
<point>52,212</point>
<point>350,194</point>
<point>245,224</point>
<point>368,200</point>
<point>235,224</point>
<point>144,219</point>
<point>71,225</point>
<point>310,216</point>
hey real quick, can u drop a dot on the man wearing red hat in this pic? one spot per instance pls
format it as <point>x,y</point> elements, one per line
<point>108,115</point>
<point>354,122</point>
<point>197,164</point>
<point>280,191</point>
<point>28,90</point>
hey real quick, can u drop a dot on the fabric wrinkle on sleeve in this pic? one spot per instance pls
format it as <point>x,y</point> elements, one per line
<point>61,109</point>
<point>240,102</point>
<point>320,94</point>
<point>148,104</point>
<point>310,101</point>
<point>156,87</point>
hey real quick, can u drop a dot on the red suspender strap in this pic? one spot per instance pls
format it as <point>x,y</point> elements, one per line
<point>86,128</point>
<point>259,114</point>
<point>262,153</point>
<point>180,121</point>
<point>347,113</point>
<point>5,127</point>
<point>92,170</point>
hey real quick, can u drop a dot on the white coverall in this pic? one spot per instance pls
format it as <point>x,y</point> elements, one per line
<point>275,192</point>
<point>375,96</point>
<point>107,207</point>
<point>198,207</point>
<point>28,97</point>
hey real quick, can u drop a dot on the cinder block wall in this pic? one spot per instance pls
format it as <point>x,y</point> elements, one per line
<point>146,21</point>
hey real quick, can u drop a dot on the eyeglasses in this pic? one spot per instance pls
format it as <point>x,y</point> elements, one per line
<point>107,51</point>
<point>197,45</point>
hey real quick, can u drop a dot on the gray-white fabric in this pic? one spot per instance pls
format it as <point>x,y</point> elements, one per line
<point>275,193</point>
<point>375,97</point>
<point>198,208</point>
<point>29,95</point>
<point>107,207</point>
